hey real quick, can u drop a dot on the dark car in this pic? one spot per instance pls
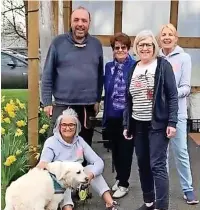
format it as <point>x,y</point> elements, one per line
<point>14,71</point>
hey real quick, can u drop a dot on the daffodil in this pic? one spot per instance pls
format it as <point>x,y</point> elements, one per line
<point>9,107</point>
<point>12,114</point>
<point>18,152</point>
<point>18,101</point>
<point>22,106</point>
<point>2,99</point>
<point>21,123</point>
<point>18,132</point>
<point>2,131</point>
<point>42,131</point>
<point>10,160</point>
<point>12,102</point>
<point>45,126</point>
<point>6,120</point>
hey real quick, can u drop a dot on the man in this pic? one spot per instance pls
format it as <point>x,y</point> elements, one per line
<point>73,73</point>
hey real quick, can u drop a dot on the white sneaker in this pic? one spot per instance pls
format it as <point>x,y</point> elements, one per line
<point>115,186</point>
<point>122,191</point>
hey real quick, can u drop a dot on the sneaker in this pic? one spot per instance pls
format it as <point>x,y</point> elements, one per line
<point>115,186</point>
<point>115,206</point>
<point>190,198</point>
<point>144,207</point>
<point>121,192</point>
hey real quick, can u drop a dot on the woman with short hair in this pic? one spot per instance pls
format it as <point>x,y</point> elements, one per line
<point>181,63</point>
<point>67,145</point>
<point>115,80</point>
<point>150,118</point>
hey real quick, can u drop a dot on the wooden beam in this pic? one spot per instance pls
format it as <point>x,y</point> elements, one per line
<point>33,74</point>
<point>67,11</point>
<point>189,42</point>
<point>195,89</point>
<point>174,12</point>
<point>55,8</point>
<point>185,42</point>
<point>118,16</point>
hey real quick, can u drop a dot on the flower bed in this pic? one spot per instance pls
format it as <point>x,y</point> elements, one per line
<point>15,151</point>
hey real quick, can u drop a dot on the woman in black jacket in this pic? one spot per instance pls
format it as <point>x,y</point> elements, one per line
<point>150,118</point>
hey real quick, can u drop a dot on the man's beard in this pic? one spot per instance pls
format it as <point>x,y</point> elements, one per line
<point>80,35</point>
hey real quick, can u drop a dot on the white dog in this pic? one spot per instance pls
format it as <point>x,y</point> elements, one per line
<point>35,190</point>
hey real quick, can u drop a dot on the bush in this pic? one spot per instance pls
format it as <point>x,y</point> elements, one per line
<point>16,152</point>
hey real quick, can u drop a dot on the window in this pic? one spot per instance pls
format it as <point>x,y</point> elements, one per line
<point>140,15</point>
<point>189,18</point>
<point>102,15</point>
<point>7,59</point>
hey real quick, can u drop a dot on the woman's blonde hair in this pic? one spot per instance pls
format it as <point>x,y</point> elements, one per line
<point>171,27</point>
<point>144,35</point>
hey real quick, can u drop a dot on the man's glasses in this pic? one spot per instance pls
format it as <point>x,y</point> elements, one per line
<point>148,45</point>
<point>71,126</point>
<point>117,48</point>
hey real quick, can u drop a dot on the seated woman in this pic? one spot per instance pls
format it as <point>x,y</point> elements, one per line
<point>67,145</point>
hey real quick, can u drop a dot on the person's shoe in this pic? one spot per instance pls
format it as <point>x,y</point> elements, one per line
<point>115,206</point>
<point>121,192</point>
<point>115,186</point>
<point>190,198</point>
<point>144,207</point>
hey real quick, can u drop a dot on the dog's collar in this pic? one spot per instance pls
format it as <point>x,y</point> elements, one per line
<point>57,187</point>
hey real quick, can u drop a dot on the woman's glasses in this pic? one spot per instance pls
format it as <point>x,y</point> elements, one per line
<point>117,48</point>
<point>71,126</point>
<point>148,45</point>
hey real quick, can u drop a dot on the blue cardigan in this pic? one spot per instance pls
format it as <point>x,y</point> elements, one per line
<point>109,82</point>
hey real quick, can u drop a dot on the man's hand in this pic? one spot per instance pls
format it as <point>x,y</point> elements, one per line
<point>171,132</point>
<point>42,165</point>
<point>96,109</point>
<point>48,110</point>
<point>125,133</point>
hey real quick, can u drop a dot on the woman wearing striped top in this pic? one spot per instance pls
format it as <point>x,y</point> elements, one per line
<point>150,118</point>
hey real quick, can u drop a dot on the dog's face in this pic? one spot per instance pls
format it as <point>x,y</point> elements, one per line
<point>69,174</point>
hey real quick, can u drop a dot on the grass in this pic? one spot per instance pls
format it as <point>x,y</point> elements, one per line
<point>21,94</point>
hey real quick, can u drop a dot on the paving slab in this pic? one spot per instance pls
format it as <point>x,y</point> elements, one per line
<point>133,200</point>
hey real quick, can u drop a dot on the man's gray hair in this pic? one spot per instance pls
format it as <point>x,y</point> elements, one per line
<point>68,113</point>
<point>144,35</point>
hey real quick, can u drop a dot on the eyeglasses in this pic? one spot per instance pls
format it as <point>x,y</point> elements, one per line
<point>71,126</point>
<point>117,48</point>
<point>148,45</point>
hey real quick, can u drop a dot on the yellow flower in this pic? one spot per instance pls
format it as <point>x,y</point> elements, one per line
<point>41,109</point>
<point>18,152</point>
<point>7,120</point>
<point>18,132</point>
<point>10,160</point>
<point>45,126</point>
<point>20,123</point>
<point>12,102</point>
<point>18,101</point>
<point>9,107</point>
<point>42,131</point>
<point>11,114</point>
<point>22,106</point>
<point>2,99</point>
<point>2,131</point>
